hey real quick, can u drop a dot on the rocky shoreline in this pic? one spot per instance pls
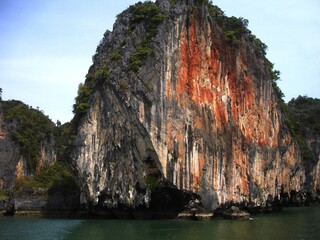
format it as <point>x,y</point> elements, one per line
<point>179,116</point>
<point>43,206</point>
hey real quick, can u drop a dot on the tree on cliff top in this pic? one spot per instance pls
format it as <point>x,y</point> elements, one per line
<point>305,111</point>
<point>303,114</point>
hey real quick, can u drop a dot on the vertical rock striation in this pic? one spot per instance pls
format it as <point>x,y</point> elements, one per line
<point>199,113</point>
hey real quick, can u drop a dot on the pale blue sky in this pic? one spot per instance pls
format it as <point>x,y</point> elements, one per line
<point>46,46</point>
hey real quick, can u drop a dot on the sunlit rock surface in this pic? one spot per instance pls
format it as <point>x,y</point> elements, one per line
<point>200,114</point>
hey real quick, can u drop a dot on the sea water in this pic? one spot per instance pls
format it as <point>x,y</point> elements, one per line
<point>290,224</point>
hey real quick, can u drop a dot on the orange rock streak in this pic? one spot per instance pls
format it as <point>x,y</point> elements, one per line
<point>225,86</point>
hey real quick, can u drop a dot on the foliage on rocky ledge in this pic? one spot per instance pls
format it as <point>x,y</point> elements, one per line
<point>32,132</point>
<point>146,14</point>
<point>234,30</point>
<point>302,117</point>
<point>93,79</point>
<point>4,194</point>
<point>64,137</point>
<point>29,128</point>
<point>149,15</point>
<point>58,179</point>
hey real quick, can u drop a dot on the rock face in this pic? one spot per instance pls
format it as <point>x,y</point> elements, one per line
<point>9,156</point>
<point>234,213</point>
<point>200,113</point>
<point>304,113</point>
<point>13,162</point>
<point>312,141</point>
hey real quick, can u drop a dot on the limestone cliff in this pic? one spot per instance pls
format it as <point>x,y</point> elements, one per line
<point>303,115</point>
<point>26,145</point>
<point>312,142</point>
<point>9,154</point>
<point>174,96</point>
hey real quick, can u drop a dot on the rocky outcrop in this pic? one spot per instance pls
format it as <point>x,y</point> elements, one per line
<point>199,113</point>
<point>312,142</point>
<point>303,121</point>
<point>9,156</point>
<point>32,201</point>
<point>14,161</point>
<point>311,160</point>
<point>234,213</point>
<point>194,210</point>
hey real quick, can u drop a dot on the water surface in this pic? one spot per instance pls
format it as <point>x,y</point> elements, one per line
<point>291,223</point>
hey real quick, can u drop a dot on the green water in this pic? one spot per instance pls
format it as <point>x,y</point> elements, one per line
<point>291,223</point>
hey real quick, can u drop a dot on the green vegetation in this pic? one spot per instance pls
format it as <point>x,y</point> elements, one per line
<point>123,85</point>
<point>57,178</point>
<point>30,129</point>
<point>137,59</point>
<point>82,100</point>
<point>4,194</point>
<point>275,76</point>
<point>303,114</point>
<point>306,111</point>
<point>234,29</point>
<point>261,48</point>
<point>115,56</point>
<point>64,137</point>
<point>151,181</point>
<point>200,2</point>
<point>149,15</point>
<point>93,79</point>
